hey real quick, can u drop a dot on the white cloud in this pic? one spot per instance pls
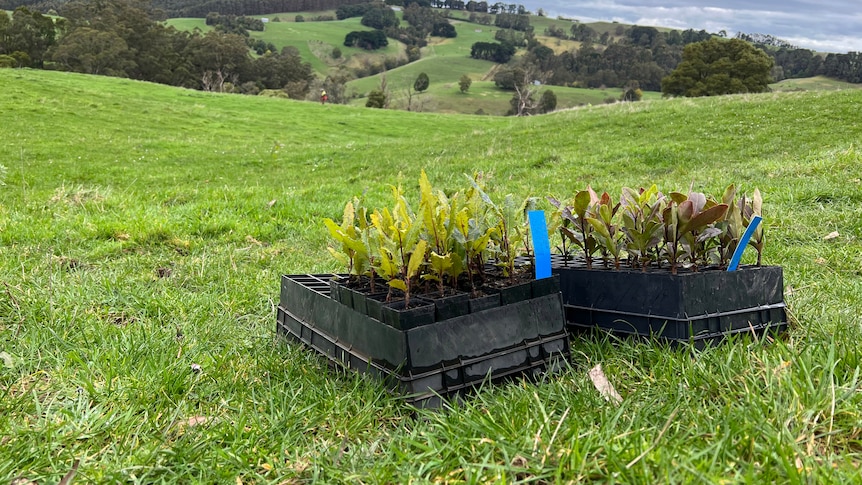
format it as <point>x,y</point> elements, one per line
<point>825,25</point>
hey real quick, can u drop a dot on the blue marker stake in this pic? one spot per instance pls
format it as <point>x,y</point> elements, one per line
<point>541,245</point>
<point>743,242</point>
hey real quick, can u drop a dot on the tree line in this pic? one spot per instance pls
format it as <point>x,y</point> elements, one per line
<point>200,8</point>
<point>127,38</point>
<point>234,24</point>
<point>422,21</point>
<point>642,57</point>
<point>121,38</point>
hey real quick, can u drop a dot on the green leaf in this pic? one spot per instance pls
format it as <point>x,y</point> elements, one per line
<point>416,258</point>
<point>678,197</point>
<point>334,229</point>
<point>386,266</point>
<point>648,194</point>
<point>599,227</point>
<point>729,195</point>
<point>583,200</point>
<point>704,219</point>
<point>605,213</point>
<point>339,256</point>
<point>440,264</point>
<point>481,192</point>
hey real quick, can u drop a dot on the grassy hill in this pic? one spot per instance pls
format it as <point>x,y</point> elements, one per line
<point>444,60</point>
<point>816,83</point>
<point>144,228</point>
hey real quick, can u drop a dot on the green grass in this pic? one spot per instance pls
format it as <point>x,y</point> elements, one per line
<point>484,95</point>
<point>134,211</point>
<point>189,24</point>
<point>816,83</point>
<point>444,60</point>
<point>313,40</point>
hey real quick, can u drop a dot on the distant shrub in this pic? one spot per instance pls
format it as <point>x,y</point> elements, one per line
<point>376,99</point>
<point>464,83</point>
<point>368,40</point>
<point>274,93</point>
<point>250,88</point>
<point>296,89</point>
<point>413,53</point>
<point>390,63</point>
<point>548,102</point>
<point>632,94</point>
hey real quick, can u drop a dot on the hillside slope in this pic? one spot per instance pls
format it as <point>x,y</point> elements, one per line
<point>144,229</point>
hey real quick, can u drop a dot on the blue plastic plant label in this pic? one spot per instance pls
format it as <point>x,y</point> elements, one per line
<point>541,244</point>
<point>743,242</point>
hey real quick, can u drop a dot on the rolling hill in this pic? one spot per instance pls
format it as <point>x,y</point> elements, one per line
<point>444,60</point>
<point>144,228</point>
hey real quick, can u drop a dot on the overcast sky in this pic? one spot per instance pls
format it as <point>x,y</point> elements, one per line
<point>821,25</point>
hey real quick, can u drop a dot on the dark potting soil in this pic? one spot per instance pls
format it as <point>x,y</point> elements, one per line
<point>558,261</point>
<point>493,281</point>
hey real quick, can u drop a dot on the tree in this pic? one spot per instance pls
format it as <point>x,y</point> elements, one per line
<point>368,39</point>
<point>218,58</point>
<point>513,21</point>
<point>464,83</point>
<point>525,84</point>
<point>5,22</point>
<point>421,83</point>
<point>492,51</point>
<point>156,52</point>
<point>380,18</point>
<point>413,54</point>
<point>277,71</point>
<point>348,11</point>
<point>718,66</point>
<point>335,87</point>
<point>548,102</point>
<point>505,79</point>
<point>29,32</point>
<point>376,99</point>
<point>632,92</point>
<point>583,33</point>
<point>94,52</point>
<point>444,29</point>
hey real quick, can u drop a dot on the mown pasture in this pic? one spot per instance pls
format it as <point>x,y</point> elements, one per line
<point>143,229</point>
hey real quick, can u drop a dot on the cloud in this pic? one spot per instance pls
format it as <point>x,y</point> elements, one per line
<point>827,25</point>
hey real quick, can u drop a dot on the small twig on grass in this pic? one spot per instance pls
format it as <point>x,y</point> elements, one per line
<point>16,305</point>
<point>68,477</point>
<point>554,436</point>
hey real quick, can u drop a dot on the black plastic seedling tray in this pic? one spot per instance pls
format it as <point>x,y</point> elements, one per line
<point>433,361</point>
<point>699,307</point>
